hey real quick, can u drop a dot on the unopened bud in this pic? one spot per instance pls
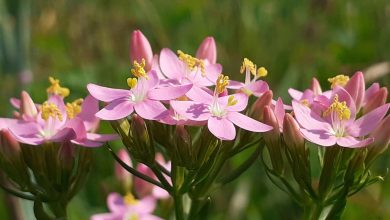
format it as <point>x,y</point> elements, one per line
<point>140,49</point>
<point>356,88</point>
<point>27,106</point>
<point>316,87</point>
<point>122,175</point>
<point>207,50</point>
<point>183,147</point>
<point>378,99</point>
<point>66,156</point>
<point>141,187</point>
<point>272,139</point>
<point>381,137</point>
<point>258,107</point>
<point>9,146</point>
<point>144,149</point>
<point>291,133</point>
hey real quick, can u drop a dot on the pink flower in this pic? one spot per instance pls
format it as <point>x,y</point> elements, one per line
<point>251,86</point>
<point>221,113</point>
<point>128,207</point>
<point>336,124</point>
<point>187,69</point>
<point>54,121</point>
<point>144,98</point>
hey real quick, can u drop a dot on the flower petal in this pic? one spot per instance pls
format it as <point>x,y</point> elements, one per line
<point>295,94</point>
<point>309,119</point>
<point>170,64</point>
<point>242,102</point>
<point>89,108</point>
<point>221,128</point>
<point>199,95</point>
<point>150,109</point>
<point>319,137</point>
<point>258,88</point>
<point>191,110</point>
<point>117,109</point>
<point>101,137</point>
<point>65,134</point>
<point>213,71</point>
<point>115,203</point>
<point>279,112</point>
<point>169,92</point>
<point>368,122</point>
<point>107,216</point>
<point>106,94</point>
<point>352,142</point>
<point>247,123</point>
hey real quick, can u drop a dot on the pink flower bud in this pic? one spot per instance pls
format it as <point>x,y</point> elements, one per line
<point>207,50</point>
<point>66,155</point>
<point>140,49</point>
<point>291,132</point>
<point>381,137</point>
<point>9,146</point>
<point>378,99</point>
<point>356,87</point>
<point>316,87</point>
<point>122,175</point>
<point>258,107</point>
<point>27,106</point>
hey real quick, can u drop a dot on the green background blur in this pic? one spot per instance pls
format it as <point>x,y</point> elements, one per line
<point>82,41</point>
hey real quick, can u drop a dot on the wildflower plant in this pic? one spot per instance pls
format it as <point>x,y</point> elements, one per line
<point>181,120</point>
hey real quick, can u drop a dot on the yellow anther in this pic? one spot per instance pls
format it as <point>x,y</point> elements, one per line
<point>56,89</point>
<point>262,72</point>
<point>222,82</point>
<point>138,69</point>
<point>248,65</point>
<point>129,199</point>
<point>132,82</point>
<point>133,216</point>
<point>50,110</point>
<point>192,62</point>
<point>305,102</point>
<point>73,108</point>
<point>340,108</point>
<point>339,80</point>
<point>183,98</point>
<point>232,101</point>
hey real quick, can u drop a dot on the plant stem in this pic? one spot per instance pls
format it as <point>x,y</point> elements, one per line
<point>178,200</point>
<point>58,209</point>
<point>313,211</point>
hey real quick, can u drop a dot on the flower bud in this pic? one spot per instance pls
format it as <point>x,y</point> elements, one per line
<point>9,146</point>
<point>356,88</point>
<point>28,109</point>
<point>207,50</point>
<point>291,133</point>
<point>381,137</point>
<point>316,87</point>
<point>66,155</point>
<point>272,139</point>
<point>258,107</point>
<point>378,99</point>
<point>183,154</point>
<point>122,175</point>
<point>140,49</point>
<point>143,148</point>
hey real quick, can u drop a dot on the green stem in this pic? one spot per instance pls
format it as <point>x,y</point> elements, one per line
<point>313,211</point>
<point>179,211</point>
<point>59,210</point>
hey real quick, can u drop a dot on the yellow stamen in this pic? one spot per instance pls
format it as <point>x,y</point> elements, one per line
<point>339,80</point>
<point>133,216</point>
<point>50,110</point>
<point>132,82</point>
<point>222,82</point>
<point>192,62</point>
<point>262,72</point>
<point>129,199</point>
<point>73,108</point>
<point>248,65</point>
<point>183,98</point>
<point>138,69</point>
<point>232,101</point>
<point>305,102</point>
<point>56,89</point>
<point>340,108</point>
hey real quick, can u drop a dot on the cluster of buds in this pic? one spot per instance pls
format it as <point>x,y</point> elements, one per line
<point>348,125</point>
<point>43,154</point>
<point>179,106</point>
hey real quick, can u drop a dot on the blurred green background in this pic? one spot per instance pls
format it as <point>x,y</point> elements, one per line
<point>82,41</point>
